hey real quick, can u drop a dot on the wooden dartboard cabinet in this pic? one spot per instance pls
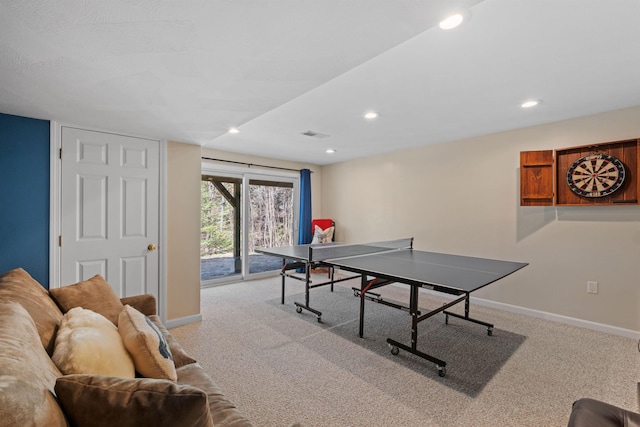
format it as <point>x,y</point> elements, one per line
<point>543,175</point>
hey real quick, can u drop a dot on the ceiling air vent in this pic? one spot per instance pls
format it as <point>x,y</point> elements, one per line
<point>317,135</point>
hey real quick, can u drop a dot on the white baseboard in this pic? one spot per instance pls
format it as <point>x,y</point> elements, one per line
<point>587,324</point>
<point>600,327</point>
<point>174,323</point>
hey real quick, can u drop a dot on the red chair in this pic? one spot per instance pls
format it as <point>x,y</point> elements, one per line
<point>323,223</point>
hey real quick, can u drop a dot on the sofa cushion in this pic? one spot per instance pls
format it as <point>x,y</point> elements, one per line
<point>88,343</point>
<point>146,345</point>
<point>94,294</point>
<point>180,357</point>
<point>144,303</point>
<point>27,375</point>
<point>17,285</point>
<point>107,401</point>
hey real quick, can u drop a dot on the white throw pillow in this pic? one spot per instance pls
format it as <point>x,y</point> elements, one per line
<point>322,236</point>
<point>89,343</point>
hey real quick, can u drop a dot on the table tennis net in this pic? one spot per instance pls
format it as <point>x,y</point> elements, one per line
<point>321,253</point>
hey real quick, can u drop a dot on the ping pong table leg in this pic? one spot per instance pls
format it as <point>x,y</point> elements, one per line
<point>363,285</point>
<point>307,290</point>
<point>467,318</point>
<point>307,279</point>
<point>413,349</point>
<point>331,276</point>
<point>283,274</point>
<point>413,309</point>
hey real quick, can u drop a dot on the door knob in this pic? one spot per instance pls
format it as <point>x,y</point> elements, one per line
<point>151,247</point>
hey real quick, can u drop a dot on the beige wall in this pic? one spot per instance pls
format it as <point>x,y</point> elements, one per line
<point>183,231</point>
<point>463,197</point>
<point>183,221</point>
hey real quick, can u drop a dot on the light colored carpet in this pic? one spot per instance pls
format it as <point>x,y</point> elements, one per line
<point>280,367</point>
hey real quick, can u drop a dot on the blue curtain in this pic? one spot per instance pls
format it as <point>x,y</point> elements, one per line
<point>304,232</point>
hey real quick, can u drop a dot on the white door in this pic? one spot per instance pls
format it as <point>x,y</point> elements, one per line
<point>110,210</point>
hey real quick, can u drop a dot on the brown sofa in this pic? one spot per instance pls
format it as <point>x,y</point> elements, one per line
<point>595,413</point>
<point>33,392</point>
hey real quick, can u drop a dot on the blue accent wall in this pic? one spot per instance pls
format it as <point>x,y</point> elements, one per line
<point>24,196</point>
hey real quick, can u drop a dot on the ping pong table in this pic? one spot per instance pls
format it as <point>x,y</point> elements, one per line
<point>303,259</point>
<point>382,263</point>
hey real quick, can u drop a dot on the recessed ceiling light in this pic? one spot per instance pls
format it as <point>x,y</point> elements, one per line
<point>371,115</point>
<point>234,130</point>
<point>451,21</point>
<point>529,104</point>
<point>330,151</point>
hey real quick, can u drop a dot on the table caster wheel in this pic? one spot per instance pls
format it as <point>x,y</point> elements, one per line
<point>442,371</point>
<point>394,350</point>
<point>319,319</point>
<point>356,293</point>
<point>298,309</point>
<point>490,331</point>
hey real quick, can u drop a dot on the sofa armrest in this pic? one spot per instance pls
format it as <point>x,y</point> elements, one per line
<point>594,413</point>
<point>145,303</point>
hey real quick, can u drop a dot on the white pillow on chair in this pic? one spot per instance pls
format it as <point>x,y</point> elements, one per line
<point>322,236</point>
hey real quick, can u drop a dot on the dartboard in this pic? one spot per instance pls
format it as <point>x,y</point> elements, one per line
<point>595,175</point>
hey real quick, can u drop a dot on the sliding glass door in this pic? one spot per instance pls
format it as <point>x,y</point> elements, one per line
<point>241,212</point>
<point>220,227</point>
<point>271,221</point>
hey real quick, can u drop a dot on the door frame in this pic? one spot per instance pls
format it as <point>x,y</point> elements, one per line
<point>55,208</point>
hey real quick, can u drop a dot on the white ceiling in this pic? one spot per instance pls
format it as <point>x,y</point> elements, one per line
<point>189,70</point>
